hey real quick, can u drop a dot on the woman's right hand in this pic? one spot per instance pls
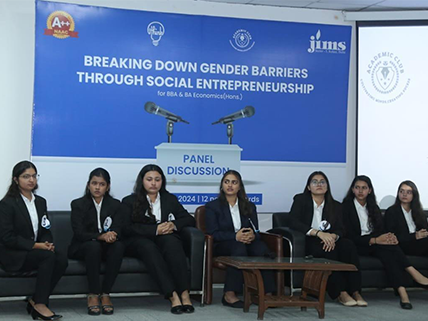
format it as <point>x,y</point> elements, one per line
<point>108,237</point>
<point>386,239</point>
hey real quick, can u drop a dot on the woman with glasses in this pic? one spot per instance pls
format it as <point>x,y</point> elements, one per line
<point>406,219</point>
<point>153,220</point>
<point>232,221</point>
<point>316,214</point>
<point>26,242</point>
<point>95,219</point>
<point>364,226</point>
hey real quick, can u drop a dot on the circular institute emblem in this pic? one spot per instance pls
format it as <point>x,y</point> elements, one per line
<point>385,79</point>
<point>60,25</point>
<point>242,40</point>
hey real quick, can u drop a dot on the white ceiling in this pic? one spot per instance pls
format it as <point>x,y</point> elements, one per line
<point>345,5</point>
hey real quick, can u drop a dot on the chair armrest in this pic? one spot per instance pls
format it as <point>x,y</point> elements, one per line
<point>296,240</point>
<point>193,243</point>
<point>274,243</point>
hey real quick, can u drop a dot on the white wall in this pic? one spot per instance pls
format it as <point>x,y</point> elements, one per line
<point>17,74</point>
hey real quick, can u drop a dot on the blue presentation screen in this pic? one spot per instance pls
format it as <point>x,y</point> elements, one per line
<point>96,68</point>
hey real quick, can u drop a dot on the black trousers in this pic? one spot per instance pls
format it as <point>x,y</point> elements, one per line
<point>165,259</point>
<point>415,247</point>
<point>93,253</point>
<point>344,251</point>
<point>50,267</point>
<point>234,277</point>
<point>393,260</point>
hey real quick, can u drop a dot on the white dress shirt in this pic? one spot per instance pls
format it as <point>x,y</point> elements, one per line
<point>409,220</point>
<point>156,208</point>
<point>317,217</point>
<point>363,215</point>
<point>98,208</point>
<point>236,217</point>
<point>31,207</point>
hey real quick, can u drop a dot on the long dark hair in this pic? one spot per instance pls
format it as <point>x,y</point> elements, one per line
<point>415,205</point>
<point>141,204</point>
<point>17,170</point>
<point>98,172</point>
<point>374,213</point>
<point>329,202</point>
<point>243,202</point>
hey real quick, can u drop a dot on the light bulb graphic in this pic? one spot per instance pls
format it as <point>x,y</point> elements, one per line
<point>156,30</point>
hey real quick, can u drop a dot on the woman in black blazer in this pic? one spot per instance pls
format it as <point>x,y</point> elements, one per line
<point>364,226</point>
<point>153,219</point>
<point>407,220</point>
<point>232,221</point>
<point>316,214</point>
<point>95,219</point>
<point>26,242</point>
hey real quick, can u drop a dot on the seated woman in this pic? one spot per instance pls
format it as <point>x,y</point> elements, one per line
<point>364,226</point>
<point>316,214</point>
<point>26,242</point>
<point>407,220</point>
<point>153,219</point>
<point>232,221</point>
<point>95,219</point>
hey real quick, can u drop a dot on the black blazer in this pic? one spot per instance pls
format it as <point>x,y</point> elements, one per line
<point>302,211</point>
<point>169,204</point>
<point>16,231</point>
<point>353,226</point>
<point>84,220</point>
<point>219,224</point>
<point>395,222</point>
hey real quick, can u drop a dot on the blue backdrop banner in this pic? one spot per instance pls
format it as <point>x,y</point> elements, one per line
<point>96,69</point>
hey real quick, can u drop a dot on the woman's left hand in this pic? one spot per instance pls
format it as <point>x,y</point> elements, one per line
<point>328,240</point>
<point>421,234</point>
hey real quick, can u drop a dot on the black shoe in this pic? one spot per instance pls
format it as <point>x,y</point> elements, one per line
<point>187,308</point>
<point>38,316</point>
<point>406,305</point>
<point>238,304</point>
<point>29,307</point>
<point>178,309</point>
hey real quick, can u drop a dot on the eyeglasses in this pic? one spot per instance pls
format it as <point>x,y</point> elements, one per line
<point>228,181</point>
<point>322,182</point>
<point>361,188</point>
<point>28,176</point>
<point>406,192</point>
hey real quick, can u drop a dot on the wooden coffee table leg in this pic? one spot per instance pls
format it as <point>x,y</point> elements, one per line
<point>253,284</point>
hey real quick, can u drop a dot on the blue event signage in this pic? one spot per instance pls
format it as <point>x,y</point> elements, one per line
<point>96,68</point>
<point>202,198</point>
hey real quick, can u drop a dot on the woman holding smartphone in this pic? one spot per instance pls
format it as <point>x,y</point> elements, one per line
<point>232,220</point>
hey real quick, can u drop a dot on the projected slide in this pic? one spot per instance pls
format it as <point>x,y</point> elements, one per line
<point>392,108</point>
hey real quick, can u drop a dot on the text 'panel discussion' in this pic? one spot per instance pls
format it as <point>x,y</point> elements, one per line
<point>213,159</point>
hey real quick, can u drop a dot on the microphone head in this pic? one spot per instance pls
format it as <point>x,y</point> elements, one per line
<point>249,111</point>
<point>150,107</point>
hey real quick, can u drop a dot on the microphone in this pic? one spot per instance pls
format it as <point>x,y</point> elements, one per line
<point>243,113</point>
<point>154,109</point>
<point>253,226</point>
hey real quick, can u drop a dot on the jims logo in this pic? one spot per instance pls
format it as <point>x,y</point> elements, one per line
<point>242,40</point>
<point>316,44</point>
<point>384,79</point>
<point>155,30</point>
<point>60,25</point>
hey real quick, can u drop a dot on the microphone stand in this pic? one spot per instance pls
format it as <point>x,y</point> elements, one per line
<point>170,129</point>
<point>229,131</point>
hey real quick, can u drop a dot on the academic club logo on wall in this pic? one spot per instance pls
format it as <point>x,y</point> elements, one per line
<point>242,40</point>
<point>384,79</point>
<point>60,25</point>
<point>155,30</point>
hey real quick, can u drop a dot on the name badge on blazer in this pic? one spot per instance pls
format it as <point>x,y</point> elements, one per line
<point>45,222</point>
<point>324,225</point>
<point>107,223</point>
<point>171,217</point>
